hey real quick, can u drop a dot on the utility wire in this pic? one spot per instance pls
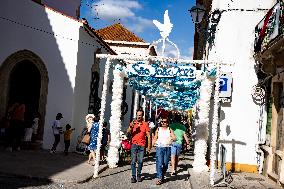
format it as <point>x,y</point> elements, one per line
<point>46,32</point>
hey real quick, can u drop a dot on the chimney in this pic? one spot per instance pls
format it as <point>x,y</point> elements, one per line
<point>78,11</point>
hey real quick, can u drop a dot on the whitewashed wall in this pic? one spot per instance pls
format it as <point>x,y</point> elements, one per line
<point>129,50</point>
<point>234,43</point>
<point>138,51</point>
<point>68,64</point>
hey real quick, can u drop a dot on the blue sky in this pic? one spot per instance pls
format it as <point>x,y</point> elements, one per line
<point>138,16</point>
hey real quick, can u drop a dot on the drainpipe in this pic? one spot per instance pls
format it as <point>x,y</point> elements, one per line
<point>261,158</point>
<point>262,127</point>
<point>259,94</point>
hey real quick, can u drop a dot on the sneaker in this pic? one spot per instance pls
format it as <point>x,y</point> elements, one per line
<point>139,179</point>
<point>52,151</point>
<point>173,173</point>
<point>133,180</point>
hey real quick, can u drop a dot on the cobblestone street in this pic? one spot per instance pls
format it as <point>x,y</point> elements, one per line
<point>110,178</point>
<point>120,178</point>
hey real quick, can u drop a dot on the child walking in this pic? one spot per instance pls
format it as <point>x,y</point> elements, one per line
<point>67,137</point>
<point>163,139</point>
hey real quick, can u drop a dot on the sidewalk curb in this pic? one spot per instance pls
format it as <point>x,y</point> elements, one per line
<point>87,178</point>
<point>187,163</point>
<point>193,180</point>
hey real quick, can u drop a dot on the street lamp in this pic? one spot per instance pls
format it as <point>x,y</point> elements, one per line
<point>197,12</point>
<point>208,29</point>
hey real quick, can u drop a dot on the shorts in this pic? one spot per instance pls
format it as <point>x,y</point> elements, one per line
<point>176,149</point>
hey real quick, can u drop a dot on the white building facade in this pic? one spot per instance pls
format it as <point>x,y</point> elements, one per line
<point>233,42</point>
<point>124,42</point>
<point>46,60</point>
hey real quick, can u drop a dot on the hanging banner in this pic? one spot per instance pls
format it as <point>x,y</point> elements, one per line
<point>157,70</point>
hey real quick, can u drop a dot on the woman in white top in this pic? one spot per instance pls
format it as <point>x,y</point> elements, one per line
<point>163,139</point>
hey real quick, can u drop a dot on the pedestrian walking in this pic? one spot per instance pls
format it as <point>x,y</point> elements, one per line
<point>93,132</point>
<point>138,130</point>
<point>105,140</point>
<point>57,130</point>
<point>17,125</point>
<point>67,137</point>
<point>82,146</point>
<point>164,137</point>
<point>180,133</point>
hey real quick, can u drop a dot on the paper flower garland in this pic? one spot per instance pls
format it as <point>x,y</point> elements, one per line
<point>200,148</point>
<point>167,84</point>
<point>115,121</point>
<point>103,105</point>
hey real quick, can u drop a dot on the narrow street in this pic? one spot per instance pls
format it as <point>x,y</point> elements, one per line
<point>84,79</point>
<point>78,174</point>
<point>120,177</point>
<point>109,178</point>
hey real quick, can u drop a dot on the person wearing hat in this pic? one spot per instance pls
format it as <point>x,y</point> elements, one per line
<point>93,131</point>
<point>81,146</point>
<point>57,130</point>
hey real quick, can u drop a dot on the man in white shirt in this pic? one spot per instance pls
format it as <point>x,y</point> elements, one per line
<point>57,130</point>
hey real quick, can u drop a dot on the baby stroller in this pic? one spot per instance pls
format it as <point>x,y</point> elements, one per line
<point>82,148</point>
<point>125,149</point>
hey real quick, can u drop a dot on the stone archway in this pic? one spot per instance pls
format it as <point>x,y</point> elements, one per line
<point>6,69</point>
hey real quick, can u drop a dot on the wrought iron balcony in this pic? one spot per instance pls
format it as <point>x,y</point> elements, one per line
<point>270,28</point>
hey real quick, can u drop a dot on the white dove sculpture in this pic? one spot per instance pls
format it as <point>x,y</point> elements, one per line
<point>166,27</point>
<point>165,30</point>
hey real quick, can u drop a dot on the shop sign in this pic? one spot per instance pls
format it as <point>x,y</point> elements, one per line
<point>225,86</point>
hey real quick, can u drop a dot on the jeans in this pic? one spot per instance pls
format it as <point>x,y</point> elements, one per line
<point>162,160</point>
<point>15,133</point>
<point>56,141</point>
<point>137,154</point>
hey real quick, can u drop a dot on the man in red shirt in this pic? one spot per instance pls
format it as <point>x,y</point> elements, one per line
<point>138,129</point>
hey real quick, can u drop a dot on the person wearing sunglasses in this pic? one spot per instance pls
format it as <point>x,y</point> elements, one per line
<point>164,137</point>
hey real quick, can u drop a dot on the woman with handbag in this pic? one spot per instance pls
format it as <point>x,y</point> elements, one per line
<point>93,130</point>
<point>83,139</point>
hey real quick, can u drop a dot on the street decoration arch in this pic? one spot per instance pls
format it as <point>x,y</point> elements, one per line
<point>167,82</point>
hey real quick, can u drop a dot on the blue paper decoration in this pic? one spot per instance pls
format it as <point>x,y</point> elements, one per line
<point>169,86</point>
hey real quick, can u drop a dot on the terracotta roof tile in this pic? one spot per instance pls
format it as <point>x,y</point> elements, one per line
<point>118,32</point>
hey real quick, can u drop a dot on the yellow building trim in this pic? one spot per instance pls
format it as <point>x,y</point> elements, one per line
<point>238,167</point>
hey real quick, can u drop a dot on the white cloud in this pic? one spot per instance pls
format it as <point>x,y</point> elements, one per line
<point>114,9</point>
<point>123,10</point>
<point>138,24</point>
<point>188,56</point>
<point>171,51</point>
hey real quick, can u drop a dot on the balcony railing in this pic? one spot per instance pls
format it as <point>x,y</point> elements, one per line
<point>270,27</point>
